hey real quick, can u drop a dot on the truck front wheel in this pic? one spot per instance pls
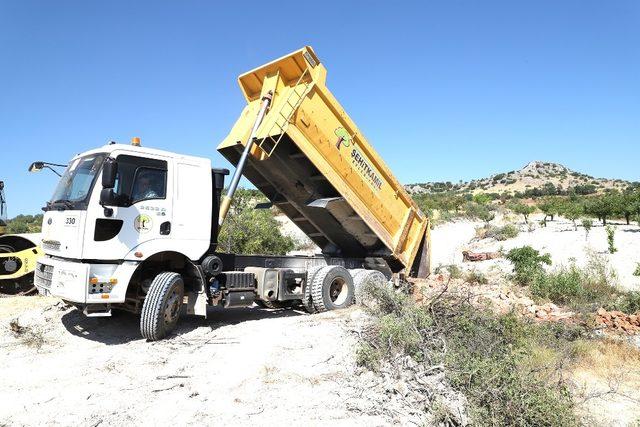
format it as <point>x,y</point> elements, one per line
<point>162,306</point>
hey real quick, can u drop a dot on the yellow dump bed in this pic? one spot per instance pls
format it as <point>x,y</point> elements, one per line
<point>311,160</point>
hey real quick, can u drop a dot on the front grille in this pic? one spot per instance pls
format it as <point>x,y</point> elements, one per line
<point>51,244</point>
<point>43,275</point>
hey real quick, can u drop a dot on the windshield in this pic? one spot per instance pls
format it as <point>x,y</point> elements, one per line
<point>75,185</point>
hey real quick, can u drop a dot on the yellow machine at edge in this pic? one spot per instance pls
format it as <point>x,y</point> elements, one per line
<point>18,255</point>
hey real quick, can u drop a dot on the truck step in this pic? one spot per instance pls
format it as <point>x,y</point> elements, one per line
<point>97,310</point>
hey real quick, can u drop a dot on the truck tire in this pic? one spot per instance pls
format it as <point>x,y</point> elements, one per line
<point>355,274</point>
<point>332,288</point>
<point>162,306</point>
<point>307,301</point>
<point>364,278</point>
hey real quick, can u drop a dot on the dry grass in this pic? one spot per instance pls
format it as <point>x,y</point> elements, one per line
<point>607,382</point>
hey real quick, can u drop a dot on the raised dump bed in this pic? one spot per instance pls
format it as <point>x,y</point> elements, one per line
<point>311,160</point>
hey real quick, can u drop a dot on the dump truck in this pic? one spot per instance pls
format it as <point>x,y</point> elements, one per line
<point>136,228</point>
<point>18,254</point>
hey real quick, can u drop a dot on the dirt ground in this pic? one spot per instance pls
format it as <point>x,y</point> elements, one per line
<point>239,366</point>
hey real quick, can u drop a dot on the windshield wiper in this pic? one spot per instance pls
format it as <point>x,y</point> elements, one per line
<point>66,203</point>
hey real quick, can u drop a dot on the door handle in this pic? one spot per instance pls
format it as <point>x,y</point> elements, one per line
<point>165,228</point>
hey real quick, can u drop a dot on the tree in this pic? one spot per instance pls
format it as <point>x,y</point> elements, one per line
<point>630,204</point>
<point>24,224</point>
<point>604,206</point>
<point>252,231</point>
<point>522,209</point>
<point>550,207</point>
<point>587,223</point>
<point>572,211</point>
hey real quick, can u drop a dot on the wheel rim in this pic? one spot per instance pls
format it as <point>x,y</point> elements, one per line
<point>338,291</point>
<point>172,307</point>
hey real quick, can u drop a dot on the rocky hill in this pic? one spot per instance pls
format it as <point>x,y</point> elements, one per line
<point>534,176</point>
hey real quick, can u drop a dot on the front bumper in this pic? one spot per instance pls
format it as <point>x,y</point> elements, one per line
<point>71,280</point>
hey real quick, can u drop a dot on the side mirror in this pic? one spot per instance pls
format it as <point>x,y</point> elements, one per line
<point>36,166</point>
<point>108,197</point>
<point>109,171</point>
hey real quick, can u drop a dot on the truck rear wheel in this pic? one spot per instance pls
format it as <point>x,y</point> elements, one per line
<point>307,301</point>
<point>362,280</point>
<point>332,288</point>
<point>162,306</point>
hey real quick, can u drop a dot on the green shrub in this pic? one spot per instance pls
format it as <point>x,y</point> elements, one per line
<point>505,232</point>
<point>527,264</point>
<point>454,271</point>
<point>24,224</point>
<point>481,198</point>
<point>627,302</point>
<point>252,231</point>
<point>482,212</point>
<point>476,277</point>
<point>573,286</point>
<point>368,356</point>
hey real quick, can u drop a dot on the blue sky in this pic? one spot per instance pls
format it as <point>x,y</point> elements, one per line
<point>444,90</point>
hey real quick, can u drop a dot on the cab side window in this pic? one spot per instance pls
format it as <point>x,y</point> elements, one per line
<point>149,184</point>
<point>140,179</point>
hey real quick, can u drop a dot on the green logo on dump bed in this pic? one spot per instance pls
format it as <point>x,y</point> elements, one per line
<point>359,161</point>
<point>343,138</point>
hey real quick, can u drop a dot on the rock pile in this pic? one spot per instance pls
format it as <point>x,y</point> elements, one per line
<point>618,321</point>
<point>548,312</point>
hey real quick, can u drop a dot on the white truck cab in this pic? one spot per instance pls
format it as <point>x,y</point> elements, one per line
<point>160,212</point>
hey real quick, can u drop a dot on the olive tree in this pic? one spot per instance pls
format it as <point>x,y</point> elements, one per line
<point>522,209</point>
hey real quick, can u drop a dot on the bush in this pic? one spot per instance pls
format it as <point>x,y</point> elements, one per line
<point>627,302</point>
<point>637,270</point>
<point>583,289</point>
<point>479,211</point>
<point>507,368</point>
<point>252,231</point>
<point>573,286</point>
<point>505,232</point>
<point>527,264</point>
<point>25,224</point>
<point>453,270</point>
<point>475,277</point>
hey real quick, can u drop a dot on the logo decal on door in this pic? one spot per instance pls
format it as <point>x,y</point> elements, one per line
<point>143,223</point>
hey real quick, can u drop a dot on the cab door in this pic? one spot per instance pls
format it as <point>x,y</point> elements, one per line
<point>143,188</point>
